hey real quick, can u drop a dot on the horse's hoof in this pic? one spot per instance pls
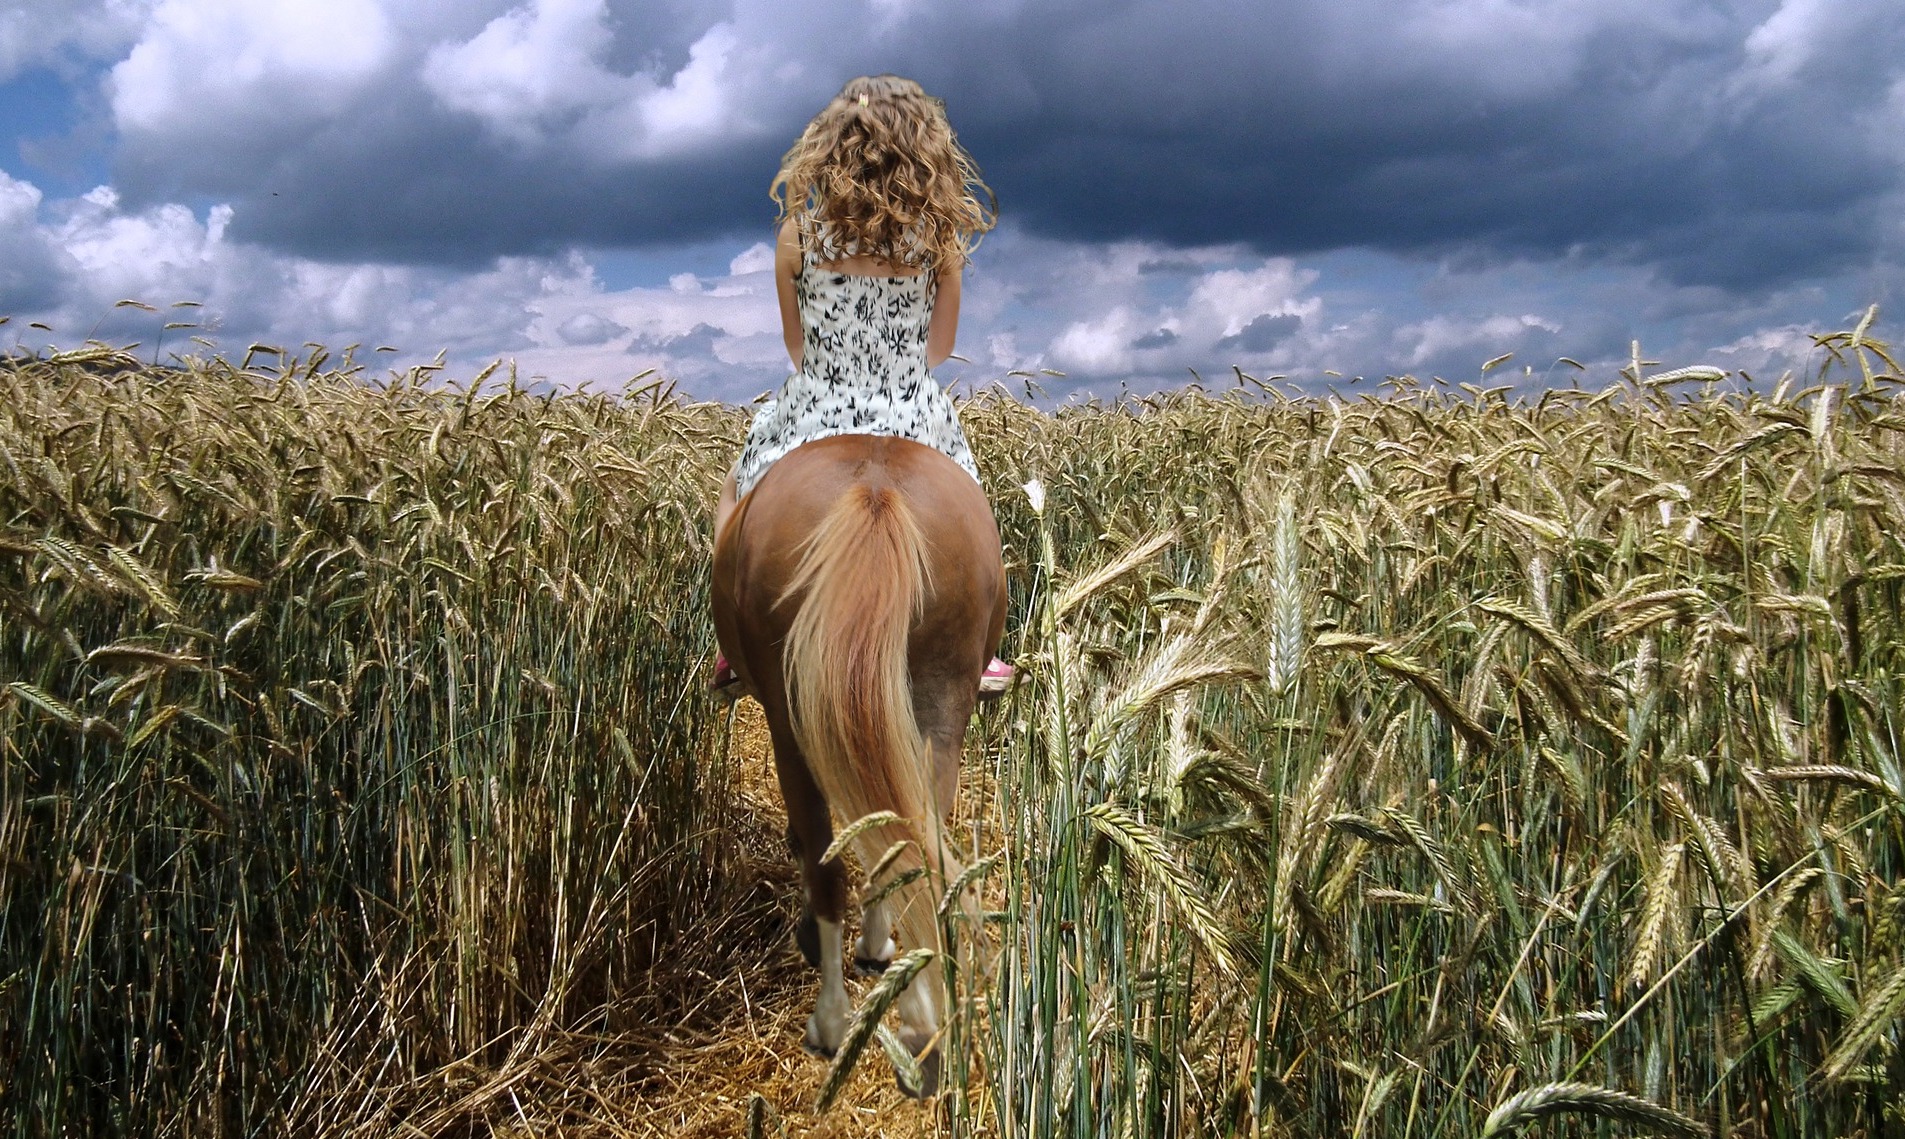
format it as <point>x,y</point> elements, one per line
<point>731,690</point>
<point>811,1043</point>
<point>873,964</point>
<point>928,1077</point>
<point>807,938</point>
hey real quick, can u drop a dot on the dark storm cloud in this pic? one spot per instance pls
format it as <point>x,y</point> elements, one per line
<point>410,182</point>
<point>696,342</point>
<point>1666,133</point>
<point>1623,145</point>
<point>1263,333</point>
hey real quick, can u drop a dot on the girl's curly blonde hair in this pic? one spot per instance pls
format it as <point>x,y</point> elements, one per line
<point>878,173</point>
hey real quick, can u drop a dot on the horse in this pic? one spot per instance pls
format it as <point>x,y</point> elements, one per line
<point>859,591</point>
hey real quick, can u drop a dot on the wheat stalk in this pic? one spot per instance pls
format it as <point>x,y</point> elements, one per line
<point>1146,848</point>
<point>1881,1006</point>
<point>1653,915</point>
<point>1527,1106</point>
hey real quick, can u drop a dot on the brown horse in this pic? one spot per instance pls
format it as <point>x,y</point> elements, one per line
<point>859,592</point>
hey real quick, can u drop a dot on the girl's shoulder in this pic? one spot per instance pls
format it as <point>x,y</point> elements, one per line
<point>788,258</point>
<point>811,243</point>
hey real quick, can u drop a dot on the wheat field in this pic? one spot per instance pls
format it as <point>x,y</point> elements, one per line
<point>1437,761</point>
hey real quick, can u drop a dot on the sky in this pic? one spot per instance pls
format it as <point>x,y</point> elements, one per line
<point>1317,189</point>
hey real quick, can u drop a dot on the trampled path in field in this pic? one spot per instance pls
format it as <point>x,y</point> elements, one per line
<point>742,1038</point>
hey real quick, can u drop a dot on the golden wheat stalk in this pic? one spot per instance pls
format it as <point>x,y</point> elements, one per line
<point>891,886</point>
<point>1830,773</point>
<point>1284,659</point>
<point>1393,661</point>
<point>855,829</point>
<point>1818,974</point>
<point>1775,915</point>
<point>46,702</point>
<point>967,877</point>
<point>1437,856</point>
<point>1367,829</point>
<point>1574,783</point>
<point>1304,815</point>
<point>1078,592</point>
<point>1383,896</point>
<point>144,581</point>
<point>1146,848</point>
<point>1653,915</point>
<point>1542,630</point>
<point>1525,1107</point>
<point>1875,1015</point>
<point>1182,663</point>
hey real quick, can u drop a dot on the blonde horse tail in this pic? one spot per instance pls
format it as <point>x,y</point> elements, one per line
<point>863,579</point>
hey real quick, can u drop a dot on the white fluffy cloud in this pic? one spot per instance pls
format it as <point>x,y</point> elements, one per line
<point>204,65</point>
<point>1438,337</point>
<point>1166,310</point>
<point>29,266</point>
<point>19,203</point>
<point>1130,314</point>
<point>96,253</point>
<point>67,264</point>
<point>1788,40</point>
<point>537,73</point>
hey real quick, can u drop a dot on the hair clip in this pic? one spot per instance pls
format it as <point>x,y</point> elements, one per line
<point>863,98</point>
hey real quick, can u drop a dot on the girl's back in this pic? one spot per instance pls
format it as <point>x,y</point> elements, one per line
<point>864,331</point>
<point>862,371</point>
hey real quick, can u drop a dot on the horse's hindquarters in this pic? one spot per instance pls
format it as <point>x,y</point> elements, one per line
<point>859,588</point>
<point>755,554</point>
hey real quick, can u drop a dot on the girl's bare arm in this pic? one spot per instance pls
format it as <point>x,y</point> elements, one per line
<point>945,325</point>
<point>786,267</point>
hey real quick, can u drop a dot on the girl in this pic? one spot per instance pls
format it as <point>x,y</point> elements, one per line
<point>878,213</point>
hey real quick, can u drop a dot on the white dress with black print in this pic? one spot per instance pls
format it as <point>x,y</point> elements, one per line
<point>862,372</point>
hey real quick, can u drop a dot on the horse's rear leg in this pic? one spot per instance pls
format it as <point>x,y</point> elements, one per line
<point>872,952</point>
<point>943,711</point>
<point>807,929</point>
<point>819,934</point>
<point>875,949</point>
<point>827,1027</point>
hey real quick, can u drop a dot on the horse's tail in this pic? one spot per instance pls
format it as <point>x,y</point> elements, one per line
<point>863,577</point>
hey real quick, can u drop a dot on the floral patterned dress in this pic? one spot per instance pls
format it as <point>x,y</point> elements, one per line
<point>862,372</point>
